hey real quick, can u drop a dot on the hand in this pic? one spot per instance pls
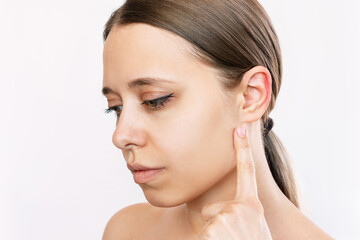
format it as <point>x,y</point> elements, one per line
<point>242,218</point>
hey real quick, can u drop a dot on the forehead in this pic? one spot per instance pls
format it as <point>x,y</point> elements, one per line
<point>143,49</point>
<point>144,37</point>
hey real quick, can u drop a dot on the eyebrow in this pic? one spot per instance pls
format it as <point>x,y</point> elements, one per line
<point>137,83</point>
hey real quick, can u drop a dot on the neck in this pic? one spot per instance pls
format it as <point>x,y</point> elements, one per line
<point>275,203</point>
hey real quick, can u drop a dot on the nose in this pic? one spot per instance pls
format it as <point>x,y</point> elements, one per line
<point>128,133</point>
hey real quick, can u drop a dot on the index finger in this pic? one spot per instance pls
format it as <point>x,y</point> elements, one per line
<point>246,177</point>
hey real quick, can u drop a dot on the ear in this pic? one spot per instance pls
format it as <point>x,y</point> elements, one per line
<point>255,93</point>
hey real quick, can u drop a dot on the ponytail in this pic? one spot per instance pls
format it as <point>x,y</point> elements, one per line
<point>280,166</point>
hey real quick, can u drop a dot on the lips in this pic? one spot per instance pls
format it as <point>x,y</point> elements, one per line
<point>137,166</point>
<point>143,176</point>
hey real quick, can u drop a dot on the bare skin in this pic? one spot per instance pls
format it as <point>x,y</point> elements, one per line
<point>191,137</point>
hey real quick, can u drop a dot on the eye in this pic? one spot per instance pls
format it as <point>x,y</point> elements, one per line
<point>154,104</point>
<point>158,103</point>
<point>113,109</point>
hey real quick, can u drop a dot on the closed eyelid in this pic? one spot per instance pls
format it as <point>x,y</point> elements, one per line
<point>160,98</point>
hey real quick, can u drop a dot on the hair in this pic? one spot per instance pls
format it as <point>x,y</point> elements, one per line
<point>231,36</point>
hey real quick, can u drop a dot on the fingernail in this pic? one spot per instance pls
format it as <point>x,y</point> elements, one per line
<point>240,132</point>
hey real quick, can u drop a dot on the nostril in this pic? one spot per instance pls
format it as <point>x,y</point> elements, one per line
<point>130,146</point>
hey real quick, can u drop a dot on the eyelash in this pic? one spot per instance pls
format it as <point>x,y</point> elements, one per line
<point>159,102</point>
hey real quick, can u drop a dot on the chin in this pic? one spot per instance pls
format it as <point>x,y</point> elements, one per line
<point>164,200</point>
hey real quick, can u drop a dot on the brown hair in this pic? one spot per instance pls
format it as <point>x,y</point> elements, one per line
<point>232,36</point>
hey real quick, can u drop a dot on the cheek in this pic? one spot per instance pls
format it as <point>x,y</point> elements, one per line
<point>207,160</point>
<point>199,150</point>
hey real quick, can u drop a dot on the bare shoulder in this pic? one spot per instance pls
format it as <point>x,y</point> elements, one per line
<point>125,223</point>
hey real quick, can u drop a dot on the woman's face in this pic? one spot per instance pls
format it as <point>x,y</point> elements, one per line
<point>190,135</point>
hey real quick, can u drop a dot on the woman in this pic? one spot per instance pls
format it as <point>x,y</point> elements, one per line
<point>182,76</point>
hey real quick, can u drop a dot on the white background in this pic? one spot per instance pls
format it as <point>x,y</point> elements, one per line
<point>60,175</point>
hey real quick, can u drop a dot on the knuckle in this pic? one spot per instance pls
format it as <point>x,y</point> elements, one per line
<point>249,166</point>
<point>244,144</point>
<point>233,210</point>
<point>255,205</point>
<point>221,218</point>
<point>233,207</point>
<point>259,209</point>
